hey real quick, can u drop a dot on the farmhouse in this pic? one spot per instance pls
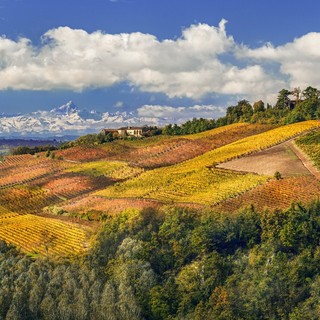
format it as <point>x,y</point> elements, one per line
<point>125,131</point>
<point>130,131</point>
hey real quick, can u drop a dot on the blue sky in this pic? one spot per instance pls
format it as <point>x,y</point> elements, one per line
<point>154,56</point>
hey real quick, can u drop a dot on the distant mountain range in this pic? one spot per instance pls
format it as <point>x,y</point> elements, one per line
<point>65,120</point>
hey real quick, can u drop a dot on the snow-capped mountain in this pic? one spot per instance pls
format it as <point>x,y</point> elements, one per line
<point>65,109</point>
<point>67,119</point>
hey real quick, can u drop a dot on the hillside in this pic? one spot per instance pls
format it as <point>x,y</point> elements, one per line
<point>165,227</point>
<point>60,195</point>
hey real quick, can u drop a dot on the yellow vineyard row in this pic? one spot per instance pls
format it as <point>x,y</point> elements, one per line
<point>111,169</point>
<point>197,180</point>
<point>205,186</point>
<point>34,234</point>
<point>249,145</point>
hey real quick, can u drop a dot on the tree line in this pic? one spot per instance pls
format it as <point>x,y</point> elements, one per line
<point>290,107</point>
<point>176,264</point>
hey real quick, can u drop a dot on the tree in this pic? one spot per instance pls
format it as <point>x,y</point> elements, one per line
<point>167,130</point>
<point>48,240</point>
<point>308,108</point>
<point>296,93</point>
<point>197,280</point>
<point>277,175</point>
<point>108,303</point>
<point>258,106</point>
<point>311,93</point>
<point>246,110</point>
<point>283,101</point>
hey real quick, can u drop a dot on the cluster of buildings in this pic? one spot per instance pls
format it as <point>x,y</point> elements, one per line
<point>124,131</point>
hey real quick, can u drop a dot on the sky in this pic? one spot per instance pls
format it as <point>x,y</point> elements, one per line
<point>155,57</point>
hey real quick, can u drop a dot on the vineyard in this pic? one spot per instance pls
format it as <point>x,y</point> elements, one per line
<point>117,170</point>
<point>13,169</point>
<point>92,182</point>
<point>205,186</point>
<point>250,144</point>
<point>25,199</point>
<point>276,194</point>
<point>197,180</point>
<point>189,147</point>
<point>38,235</point>
<point>96,206</point>
<point>310,144</point>
<point>168,151</point>
<point>6,213</point>
<point>162,150</point>
<point>82,154</point>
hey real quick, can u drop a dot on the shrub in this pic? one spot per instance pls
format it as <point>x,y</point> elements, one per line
<point>277,175</point>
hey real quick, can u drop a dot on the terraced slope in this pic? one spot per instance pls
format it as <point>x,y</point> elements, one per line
<point>68,185</point>
<point>95,207</point>
<point>25,199</point>
<point>82,154</point>
<point>149,153</point>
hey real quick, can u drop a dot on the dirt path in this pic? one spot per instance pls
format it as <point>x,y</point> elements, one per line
<point>304,159</point>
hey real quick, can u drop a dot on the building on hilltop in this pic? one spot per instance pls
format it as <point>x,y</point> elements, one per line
<point>124,131</point>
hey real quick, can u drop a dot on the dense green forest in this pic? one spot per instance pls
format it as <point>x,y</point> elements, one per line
<point>176,264</point>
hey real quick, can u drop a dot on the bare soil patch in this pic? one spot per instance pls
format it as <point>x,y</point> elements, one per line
<point>280,158</point>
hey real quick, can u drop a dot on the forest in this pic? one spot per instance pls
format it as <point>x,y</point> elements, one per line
<point>176,263</point>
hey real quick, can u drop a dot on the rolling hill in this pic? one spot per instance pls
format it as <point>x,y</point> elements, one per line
<point>51,206</point>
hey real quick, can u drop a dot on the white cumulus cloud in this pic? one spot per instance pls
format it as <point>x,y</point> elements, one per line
<point>299,60</point>
<point>180,114</point>
<point>194,65</point>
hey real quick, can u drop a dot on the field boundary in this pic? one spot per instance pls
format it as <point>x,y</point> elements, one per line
<point>304,159</point>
